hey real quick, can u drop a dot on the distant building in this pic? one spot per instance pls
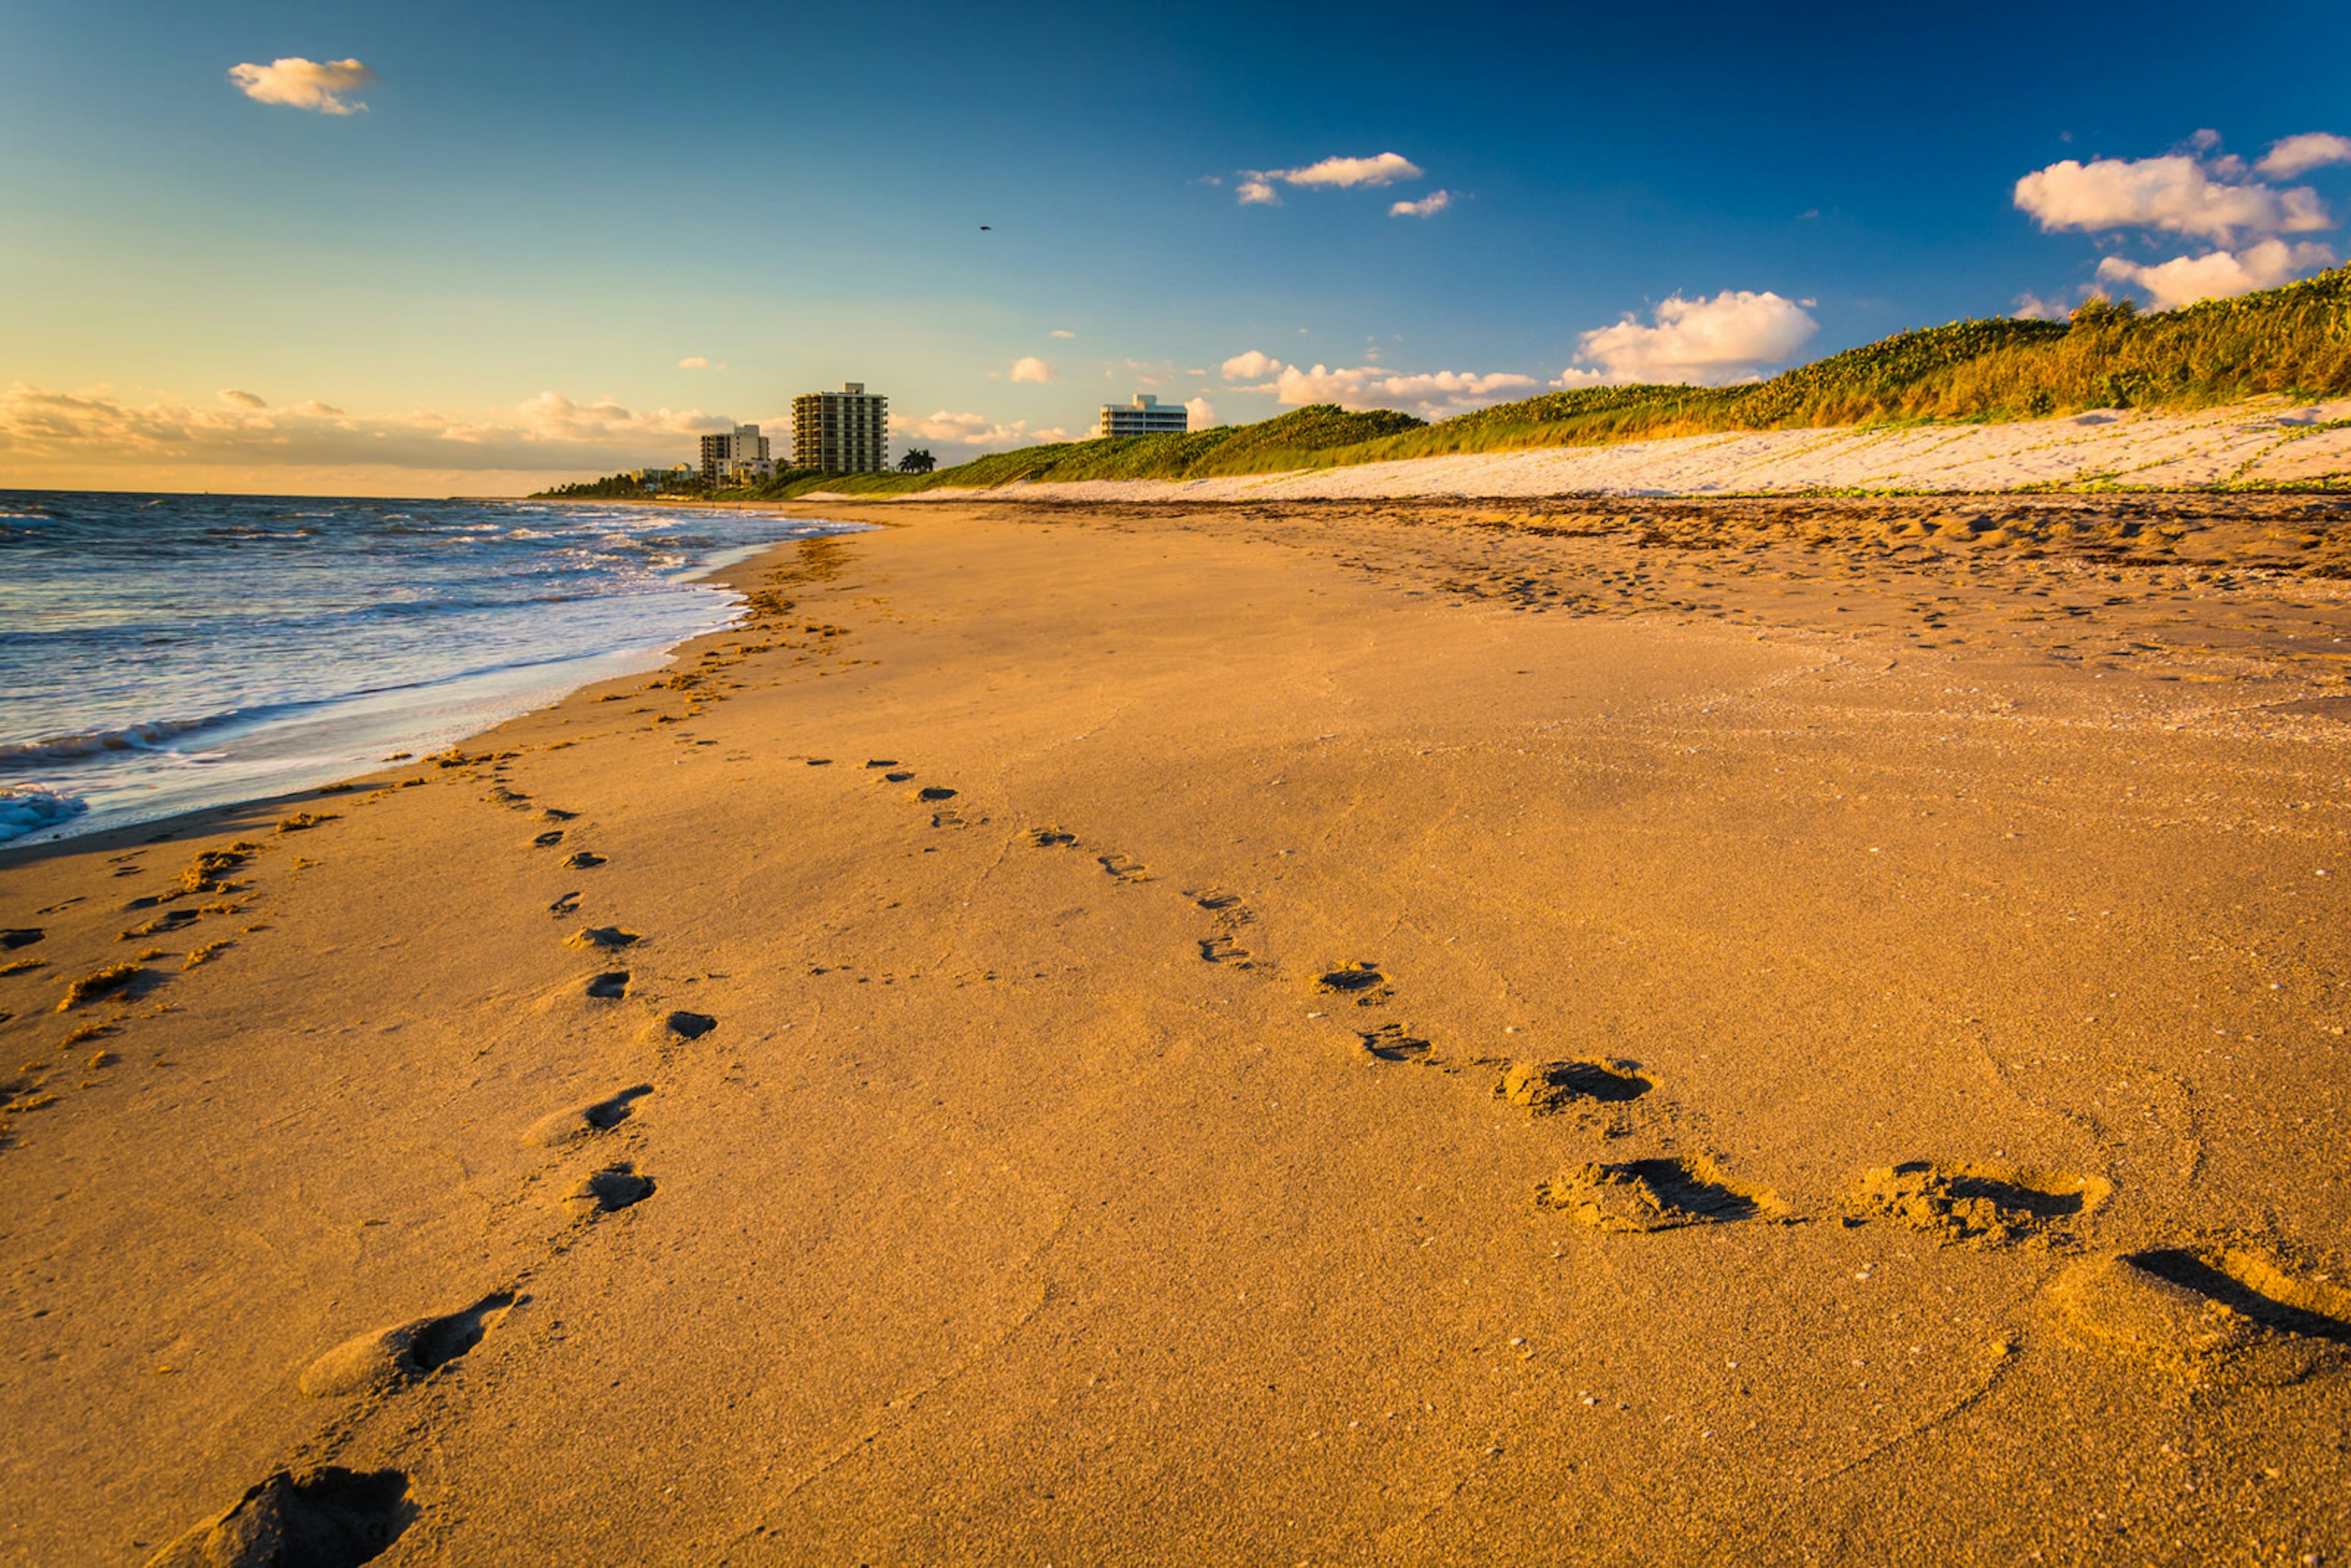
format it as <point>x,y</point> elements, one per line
<point>1146,417</point>
<point>657,478</point>
<point>736,458</point>
<point>847,432</point>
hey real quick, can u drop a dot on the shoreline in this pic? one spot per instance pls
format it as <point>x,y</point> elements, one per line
<point>1061,1092</point>
<point>115,774</point>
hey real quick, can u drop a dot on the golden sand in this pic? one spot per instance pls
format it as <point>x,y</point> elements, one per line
<point>1345,1033</point>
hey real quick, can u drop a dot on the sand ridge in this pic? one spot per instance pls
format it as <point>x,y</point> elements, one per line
<point>1387,1032</point>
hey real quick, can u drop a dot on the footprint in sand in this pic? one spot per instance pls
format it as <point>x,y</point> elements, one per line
<point>1657,1194</point>
<point>551,815</point>
<point>1052,839</point>
<point>2242,1314</point>
<point>607,936</point>
<point>386,1359</point>
<point>932,793</point>
<point>1977,1207</point>
<point>883,762</point>
<point>547,840</point>
<point>612,1189</point>
<point>1223,944</point>
<point>1123,867</point>
<point>1393,1043</point>
<point>1361,982</point>
<point>314,1517</point>
<point>895,777</point>
<point>1547,1088</point>
<point>20,937</point>
<point>584,860</point>
<point>689,1026</point>
<point>612,984</point>
<point>567,905</point>
<point>584,1120</point>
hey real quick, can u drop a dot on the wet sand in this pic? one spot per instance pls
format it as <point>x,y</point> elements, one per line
<point>1760,1031</point>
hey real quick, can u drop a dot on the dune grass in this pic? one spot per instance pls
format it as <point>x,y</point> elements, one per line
<point>2296,339</point>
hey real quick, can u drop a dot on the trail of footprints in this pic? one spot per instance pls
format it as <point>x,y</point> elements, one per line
<point>323,1514</point>
<point>2245,1309</point>
<point>2248,1308</point>
<point>328,1515</point>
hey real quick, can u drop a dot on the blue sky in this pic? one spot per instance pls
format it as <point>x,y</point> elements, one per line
<point>491,273</point>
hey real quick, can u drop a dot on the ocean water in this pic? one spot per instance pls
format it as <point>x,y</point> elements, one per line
<point>163,654</point>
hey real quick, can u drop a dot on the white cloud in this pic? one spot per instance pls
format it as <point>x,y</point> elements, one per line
<point>2300,154</point>
<point>1061,332</point>
<point>298,83</point>
<point>693,362</point>
<point>43,431</point>
<point>1029,368</point>
<point>972,433</point>
<point>2221,274</point>
<point>1203,413</point>
<point>1256,189</point>
<point>2031,307</point>
<point>1348,172</point>
<point>1427,206</point>
<point>2174,193</point>
<point>1708,341</point>
<point>1432,394</point>
<point>241,398</point>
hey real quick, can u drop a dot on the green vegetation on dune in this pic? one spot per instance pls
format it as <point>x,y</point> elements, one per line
<point>1289,441</point>
<point>2296,339</point>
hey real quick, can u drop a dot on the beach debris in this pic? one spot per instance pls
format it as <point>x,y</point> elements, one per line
<point>323,1515</point>
<point>106,982</point>
<point>169,921</point>
<point>1656,1195</point>
<point>302,821</point>
<point>1979,1207</point>
<point>208,873</point>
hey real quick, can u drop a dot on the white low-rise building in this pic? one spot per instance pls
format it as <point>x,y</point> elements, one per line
<point>1145,417</point>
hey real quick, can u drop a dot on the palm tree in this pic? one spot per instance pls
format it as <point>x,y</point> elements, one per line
<point>916,461</point>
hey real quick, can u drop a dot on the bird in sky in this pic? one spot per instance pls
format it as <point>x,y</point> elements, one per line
<point>983,228</point>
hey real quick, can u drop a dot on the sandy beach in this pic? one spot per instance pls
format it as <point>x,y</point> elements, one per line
<point>1268,1032</point>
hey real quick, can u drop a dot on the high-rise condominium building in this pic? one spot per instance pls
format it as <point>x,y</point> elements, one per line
<point>739,455</point>
<point>847,432</point>
<point>1146,417</point>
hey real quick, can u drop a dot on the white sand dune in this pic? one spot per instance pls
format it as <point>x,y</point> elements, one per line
<point>2269,440</point>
